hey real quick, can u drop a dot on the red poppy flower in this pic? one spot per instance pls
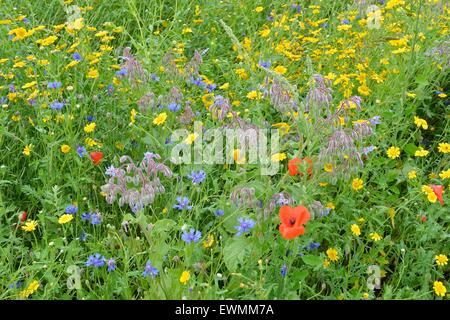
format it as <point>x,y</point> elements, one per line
<point>438,190</point>
<point>96,157</point>
<point>423,218</point>
<point>294,164</point>
<point>292,221</point>
<point>23,216</point>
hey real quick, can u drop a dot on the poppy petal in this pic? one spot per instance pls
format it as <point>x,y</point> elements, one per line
<point>286,213</point>
<point>291,232</point>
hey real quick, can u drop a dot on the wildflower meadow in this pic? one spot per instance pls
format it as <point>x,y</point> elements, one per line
<point>233,149</point>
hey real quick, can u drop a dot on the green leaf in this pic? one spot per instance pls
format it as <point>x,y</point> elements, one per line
<point>300,275</point>
<point>410,149</point>
<point>235,251</point>
<point>312,260</point>
<point>163,226</point>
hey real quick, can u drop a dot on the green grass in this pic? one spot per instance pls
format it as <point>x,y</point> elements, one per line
<point>402,86</point>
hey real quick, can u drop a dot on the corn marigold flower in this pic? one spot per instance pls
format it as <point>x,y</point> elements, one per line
<point>420,123</point>
<point>357,184</point>
<point>412,174</point>
<point>355,230</point>
<point>65,218</point>
<point>31,288</point>
<point>421,152</point>
<point>185,276</point>
<point>441,260</point>
<point>444,147</point>
<point>375,236</point>
<point>29,226</point>
<point>65,148</point>
<point>439,289</point>
<point>27,150</point>
<point>393,152</point>
<point>332,254</point>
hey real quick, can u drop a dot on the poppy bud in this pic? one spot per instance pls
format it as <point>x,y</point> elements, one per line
<point>96,157</point>
<point>23,216</point>
<point>294,164</point>
<point>423,218</point>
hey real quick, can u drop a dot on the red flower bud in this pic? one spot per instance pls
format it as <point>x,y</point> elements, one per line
<point>96,157</point>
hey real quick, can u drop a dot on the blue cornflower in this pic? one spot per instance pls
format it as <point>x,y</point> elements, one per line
<point>154,77</point>
<point>191,236</point>
<point>122,72</point>
<point>85,216</point>
<point>96,260</point>
<point>211,87</point>
<point>96,218</point>
<point>56,105</point>
<point>111,263</point>
<point>16,285</point>
<point>265,64</point>
<point>3,100</point>
<point>183,204</point>
<point>244,226</point>
<point>313,245</point>
<point>26,20</point>
<point>174,107</point>
<point>150,270</point>
<point>199,82</point>
<point>54,85</point>
<point>368,150</point>
<point>345,21</point>
<point>71,209</point>
<point>375,120</point>
<point>283,270</point>
<point>12,88</point>
<point>219,212</point>
<point>91,118</point>
<point>76,56</point>
<point>197,177</point>
<point>81,151</point>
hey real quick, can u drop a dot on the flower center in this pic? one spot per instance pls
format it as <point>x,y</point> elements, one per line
<point>292,221</point>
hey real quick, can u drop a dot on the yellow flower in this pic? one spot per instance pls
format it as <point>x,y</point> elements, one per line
<point>186,30</point>
<point>209,241</point>
<point>19,33</point>
<point>47,41</point>
<point>225,86</point>
<point>326,263</point>
<point>441,260</point>
<point>89,127</point>
<point>65,148</point>
<point>412,174</point>
<point>242,73</point>
<point>92,74</point>
<point>445,174</point>
<point>254,95</point>
<point>280,69</point>
<point>185,276</point>
<point>264,33</point>
<point>356,230</point>
<point>328,167</point>
<point>237,157</point>
<point>191,138</point>
<point>439,289</point>
<point>32,287</point>
<point>65,218</point>
<point>375,236</point>
<point>444,147</point>
<point>160,119</point>
<point>357,184</point>
<point>393,152</point>
<point>421,152</point>
<point>27,150</point>
<point>29,226</point>
<point>365,295</point>
<point>330,205</point>
<point>277,157</point>
<point>259,9</point>
<point>133,114</point>
<point>420,123</point>
<point>332,254</point>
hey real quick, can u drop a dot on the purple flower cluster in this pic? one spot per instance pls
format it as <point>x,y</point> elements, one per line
<point>135,185</point>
